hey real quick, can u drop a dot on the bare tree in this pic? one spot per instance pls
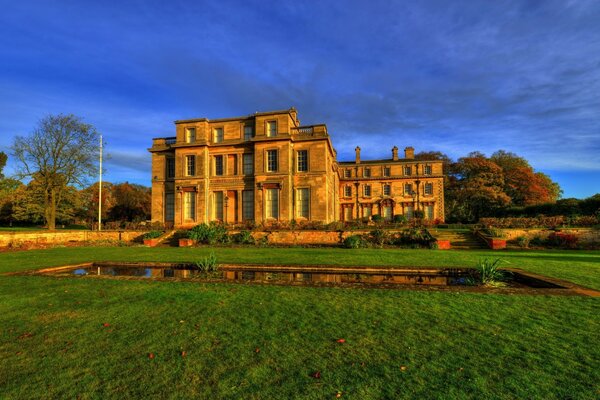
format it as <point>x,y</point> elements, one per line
<point>59,153</point>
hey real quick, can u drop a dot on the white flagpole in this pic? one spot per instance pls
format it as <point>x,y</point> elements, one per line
<point>100,190</point>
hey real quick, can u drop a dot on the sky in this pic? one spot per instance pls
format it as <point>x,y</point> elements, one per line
<point>449,76</point>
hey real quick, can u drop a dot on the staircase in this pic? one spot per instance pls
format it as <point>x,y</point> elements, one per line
<point>169,239</point>
<point>462,239</point>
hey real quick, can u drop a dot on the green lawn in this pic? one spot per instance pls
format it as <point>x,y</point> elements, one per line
<point>265,342</point>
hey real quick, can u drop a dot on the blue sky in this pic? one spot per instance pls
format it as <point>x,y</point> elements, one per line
<point>455,77</point>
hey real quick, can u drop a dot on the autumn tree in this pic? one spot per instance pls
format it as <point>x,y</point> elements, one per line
<point>59,153</point>
<point>3,158</point>
<point>89,202</point>
<point>131,202</point>
<point>522,184</point>
<point>476,188</point>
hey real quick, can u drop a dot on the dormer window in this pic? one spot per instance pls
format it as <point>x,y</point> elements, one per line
<point>272,128</point>
<point>427,170</point>
<point>218,135</point>
<point>386,171</point>
<point>190,135</point>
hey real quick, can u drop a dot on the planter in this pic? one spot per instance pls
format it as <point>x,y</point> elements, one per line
<point>185,242</point>
<point>496,244</point>
<point>443,245</point>
<point>150,242</point>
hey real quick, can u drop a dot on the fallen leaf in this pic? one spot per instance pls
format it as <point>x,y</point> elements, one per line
<point>151,356</point>
<point>403,368</point>
<point>341,340</point>
<point>106,324</point>
<point>338,395</point>
<point>257,350</point>
<point>183,353</point>
<point>316,375</point>
<point>26,335</point>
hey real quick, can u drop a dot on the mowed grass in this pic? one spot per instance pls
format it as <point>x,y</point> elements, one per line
<point>91,337</point>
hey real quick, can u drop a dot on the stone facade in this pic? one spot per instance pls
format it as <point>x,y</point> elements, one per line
<point>266,166</point>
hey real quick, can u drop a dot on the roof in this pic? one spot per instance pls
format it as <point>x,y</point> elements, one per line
<point>256,114</point>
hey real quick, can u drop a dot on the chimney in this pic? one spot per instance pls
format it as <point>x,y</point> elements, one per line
<point>409,153</point>
<point>395,153</point>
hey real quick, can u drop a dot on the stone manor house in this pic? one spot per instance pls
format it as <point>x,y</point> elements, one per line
<point>266,166</point>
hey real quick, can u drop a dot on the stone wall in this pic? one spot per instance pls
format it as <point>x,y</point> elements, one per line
<point>27,238</point>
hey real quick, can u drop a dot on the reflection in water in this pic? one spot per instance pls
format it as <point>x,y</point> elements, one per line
<point>441,277</point>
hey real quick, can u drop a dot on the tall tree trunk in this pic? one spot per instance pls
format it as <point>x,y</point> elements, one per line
<point>52,211</point>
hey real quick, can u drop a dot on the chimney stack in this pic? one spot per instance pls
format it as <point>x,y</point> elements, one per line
<point>409,153</point>
<point>357,150</point>
<point>395,153</point>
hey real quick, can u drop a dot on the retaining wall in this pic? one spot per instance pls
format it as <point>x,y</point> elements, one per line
<point>18,239</point>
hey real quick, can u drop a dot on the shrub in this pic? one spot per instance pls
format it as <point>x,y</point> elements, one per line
<point>419,214</point>
<point>488,273</point>
<point>212,233</point>
<point>563,240</point>
<point>399,219</point>
<point>153,234</point>
<point>495,232</point>
<point>355,242</point>
<point>208,263</point>
<point>414,238</point>
<point>243,237</point>
<point>377,218</point>
<point>523,241</point>
<point>378,237</point>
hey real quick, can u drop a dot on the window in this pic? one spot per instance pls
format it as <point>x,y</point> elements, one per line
<point>428,212</point>
<point>347,213</point>
<point>302,202</point>
<point>302,160</point>
<point>271,160</point>
<point>218,135</point>
<point>367,190</point>
<point>218,196</point>
<point>170,167</point>
<point>367,172</point>
<point>272,128</point>
<point>429,188</point>
<point>408,170</point>
<point>347,173</point>
<point>387,190</point>
<point>366,211</point>
<point>169,207</point>
<point>386,171</point>
<point>272,203</point>
<point>408,189</point>
<point>409,212</point>
<point>218,165</point>
<point>427,170</point>
<point>387,213</point>
<point>248,132</point>
<point>189,205</point>
<point>248,205</point>
<point>248,161</point>
<point>190,165</point>
<point>347,191</point>
<point>190,135</point>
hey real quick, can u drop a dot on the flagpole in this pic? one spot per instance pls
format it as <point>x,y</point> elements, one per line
<point>100,190</point>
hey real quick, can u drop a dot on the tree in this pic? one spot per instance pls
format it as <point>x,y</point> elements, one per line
<point>3,158</point>
<point>132,202</point>
<point>525,186</point>
<point>59,153</point>
<point>8,189</point>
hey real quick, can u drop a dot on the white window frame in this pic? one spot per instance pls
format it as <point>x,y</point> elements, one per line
<point>189,206</point>
<point>271,128</point>
<point>190,165</point>
<point>366,188</point>
<point>407,192</point>
<point>272,203</point>
<point>268,160</point>
<point>387,188</point>
<point>190,135</point>
<point>218,205</point>
<point>428,190</point>
<point>248,205</point>
<point>347,191</point>
<point>427,170</point>
<point>305,161</point>
<point>407,170</point>
<point>387,171</point>
<point>302,203</point>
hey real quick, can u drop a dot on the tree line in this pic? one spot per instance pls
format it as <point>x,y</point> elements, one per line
<point>55,164</point>
<point>58,159</point>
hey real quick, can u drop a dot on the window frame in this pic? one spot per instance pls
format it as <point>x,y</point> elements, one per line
<point>268,161</point>
<point>428,189</point>
<point>250,170</point>
<point>216,170</point>
<point>190,171</point>
<point>407,193</point>
<point>367,188</point>
<point>189,206</point>
<point>389,189</point>
<point>306,202</point>
<point>270,207</point>
<point>247,212</point>
<point>245,131</point>
<point>427,170</point>
<point>367,172</point>
<point>387,171</point>
<point>190,134</point>
<point>298,169</point>
<point>218,138</point>
<point>407,170</point>
<point>169,172</point>
<point>348,173</point>
<point>270,133</point>
<point>348,188</point>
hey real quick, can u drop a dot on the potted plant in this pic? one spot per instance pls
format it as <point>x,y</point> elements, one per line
<point>151,238</point>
